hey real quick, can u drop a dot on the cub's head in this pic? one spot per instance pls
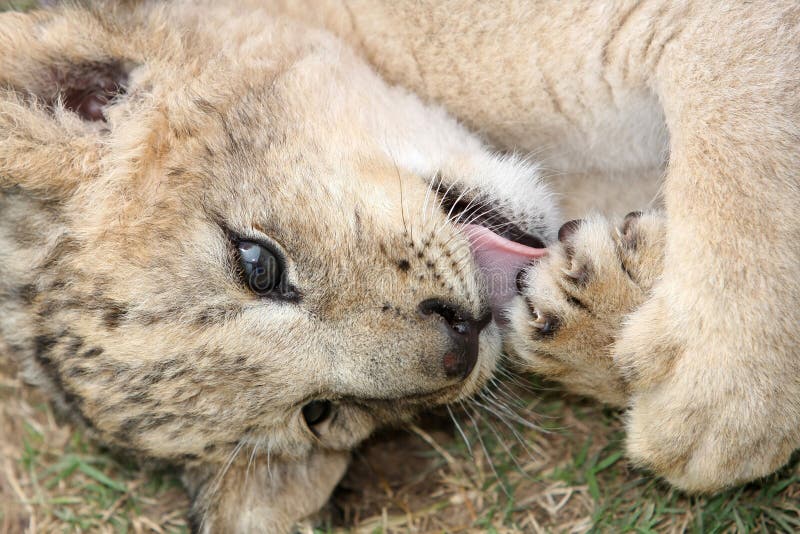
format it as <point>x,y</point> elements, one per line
<point>227,231</point>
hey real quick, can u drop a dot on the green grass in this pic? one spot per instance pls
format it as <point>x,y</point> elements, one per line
<point>52,479</point>
<point>17,5</point>
<point>625,500</point>
<point>576,479</point>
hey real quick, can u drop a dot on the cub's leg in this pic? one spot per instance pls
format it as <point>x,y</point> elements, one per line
<point>574,302</point>
<point>712,359</point>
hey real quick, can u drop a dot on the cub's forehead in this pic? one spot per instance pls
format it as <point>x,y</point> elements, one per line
<point>253,153</point>
<point>244,151</point>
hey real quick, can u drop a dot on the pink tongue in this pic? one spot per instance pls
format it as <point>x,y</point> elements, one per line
<point>499,260</point>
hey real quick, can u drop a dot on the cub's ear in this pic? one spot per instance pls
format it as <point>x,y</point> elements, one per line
<point>59,72</point>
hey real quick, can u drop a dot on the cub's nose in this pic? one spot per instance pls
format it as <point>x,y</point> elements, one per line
<point>463,329</point>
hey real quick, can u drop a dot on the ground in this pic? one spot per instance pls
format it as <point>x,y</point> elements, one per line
<point>566,473</point>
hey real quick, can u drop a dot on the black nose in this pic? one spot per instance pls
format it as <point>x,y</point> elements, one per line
<point>464,331</point>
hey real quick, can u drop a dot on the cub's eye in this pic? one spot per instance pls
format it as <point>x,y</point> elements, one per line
<point>316,412</point>
<point>263,271</point>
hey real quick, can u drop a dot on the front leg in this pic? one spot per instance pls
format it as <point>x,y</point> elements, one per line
<point>262,494</point>
<point>712,360</point>
<point>574,302</point>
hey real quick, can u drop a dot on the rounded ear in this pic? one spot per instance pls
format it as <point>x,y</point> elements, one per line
<point>58,72</point>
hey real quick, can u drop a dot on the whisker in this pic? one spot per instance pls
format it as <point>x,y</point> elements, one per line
<point>510,403</point>
<point>442,197</point>
<point>217,482</point>
<point>427,198</point>
<point>250,462</point>
<point>506,447</point>
<point>508,378</point>
<point>523,442</point>
<point>443,224</point>
<point>472,218</point>
<point>509,394</point>
<point>516,378</point>
<point>269,463</point>
<point>460,431</point>
<point>466,210</point>
<point>510,397</point>
<point>501,405</point>
<point>504,412</point>
<point>402,200</point>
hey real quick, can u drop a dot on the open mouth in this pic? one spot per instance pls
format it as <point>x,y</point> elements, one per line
<point>500,247</point>
<point>469,211</point>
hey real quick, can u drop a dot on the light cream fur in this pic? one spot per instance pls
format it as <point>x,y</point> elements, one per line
<point>710,93</point>
<point>575,301</point>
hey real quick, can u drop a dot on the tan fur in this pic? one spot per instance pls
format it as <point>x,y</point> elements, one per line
<point>710,92</point>
<point>118,285</point>
<point>576,300</point>
<point>707,91</point>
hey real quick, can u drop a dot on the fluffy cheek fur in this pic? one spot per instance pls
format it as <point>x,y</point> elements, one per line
<point>158,364</point>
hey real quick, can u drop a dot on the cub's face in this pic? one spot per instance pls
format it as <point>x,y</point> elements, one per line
<point>266,250</point>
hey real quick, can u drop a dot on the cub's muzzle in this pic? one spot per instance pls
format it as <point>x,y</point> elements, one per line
<point>464,331</point>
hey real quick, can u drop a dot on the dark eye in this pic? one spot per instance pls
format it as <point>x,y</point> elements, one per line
<point>316,412</point>
<point>263,271</point>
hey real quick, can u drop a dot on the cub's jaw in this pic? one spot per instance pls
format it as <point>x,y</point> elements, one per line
<point>504,233</point>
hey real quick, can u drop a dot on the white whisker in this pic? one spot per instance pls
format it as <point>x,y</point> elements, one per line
<point>460,431</point>
<point>485,450</point>
<point>217,482</point>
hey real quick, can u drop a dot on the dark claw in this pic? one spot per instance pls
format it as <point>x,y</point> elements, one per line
<point>626,230</point>
<point>568,228</point>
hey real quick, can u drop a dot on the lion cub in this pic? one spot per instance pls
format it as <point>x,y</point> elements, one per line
<point>226,243</point>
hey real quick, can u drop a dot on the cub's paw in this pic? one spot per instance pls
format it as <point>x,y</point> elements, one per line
<point>712,394</point>
<point>573,303</point>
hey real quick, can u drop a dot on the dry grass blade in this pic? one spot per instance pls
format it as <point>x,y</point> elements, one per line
<point>424,481</point>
